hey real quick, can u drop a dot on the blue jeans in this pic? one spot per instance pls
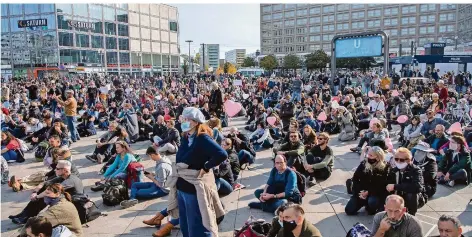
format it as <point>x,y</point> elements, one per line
<point>174,222</point>
<point>191,223</point>
<point>9,155</point>
<point>372,204</point>
<point>146,190</point>
<point>74,135</point>
<point>296,96</point>
<point>91,102</point>
<point>245,157</point>
<point>268,206</point>
<point>224,188</point>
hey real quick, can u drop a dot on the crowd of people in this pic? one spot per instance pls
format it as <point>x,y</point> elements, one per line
<point>293,116</point>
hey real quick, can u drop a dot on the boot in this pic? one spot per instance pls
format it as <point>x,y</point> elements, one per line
<point>156,220</point>
<point>164,230</point>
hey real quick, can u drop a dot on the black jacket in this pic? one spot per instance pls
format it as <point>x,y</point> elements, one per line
<point>287,110</point>
<point>159,130</point>
<point>429,169</point>
<point>171,136</point>
<point>373,181</point>
<point>224,171</point>
<point>411,180</point>
<point>244,145</point>
<point>233,161</point>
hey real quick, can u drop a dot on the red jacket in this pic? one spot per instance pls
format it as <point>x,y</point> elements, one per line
<point>443,94</point>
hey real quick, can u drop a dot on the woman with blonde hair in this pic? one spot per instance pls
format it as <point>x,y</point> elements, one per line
<point>309,138</point>
<point>217,130</point>
<point>369,182</point>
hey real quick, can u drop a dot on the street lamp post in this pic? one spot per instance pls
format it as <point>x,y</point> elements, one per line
<point>191,68</point>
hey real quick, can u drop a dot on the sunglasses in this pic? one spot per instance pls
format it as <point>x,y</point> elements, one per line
<point>400,160</point>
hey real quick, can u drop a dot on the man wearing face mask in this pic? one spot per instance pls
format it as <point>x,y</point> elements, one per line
<point>295,224</point>
<point>71,183</point>
<point>395,221</point>
<point>406,180</point>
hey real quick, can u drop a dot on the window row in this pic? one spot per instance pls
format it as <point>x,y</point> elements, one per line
<point>20,9</point>
<point>11,24</point>
<point>44,39</point>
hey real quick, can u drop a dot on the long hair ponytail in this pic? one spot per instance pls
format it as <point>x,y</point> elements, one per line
<point>59,189</point>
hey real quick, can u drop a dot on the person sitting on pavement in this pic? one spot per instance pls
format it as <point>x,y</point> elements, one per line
<point>281,188</point>
<point>10,146</point>
<point>42,134</point>
<point>319,161</point>
<point>60,129</point>
<point>55,142</point>
<point>159,129</point>
<point>309,138</point>
<point>261,138</point>
<point>293,127</point>
<point>430,124</point>
<point>277,221</point>
<point>42,227</point>
<point>224,178</point>
<point>449,226</point>
<point>233,159</point>
<point>155,189</point>
<point>395,220</point>
<point>86,127</point>
<point>347,125</point>
<point>437,140</point>
<point>377,133</point>
<point>412,133</point>
<point>119,167</point>
<point>456,164</point>
<point>406,180</point>
<point>363,119</point>
<point>426,161</point>
<point>71,184</point>
<point>146,122</point>
<point>61,210</point>
<point>105,144</point>
<point>294,150</point>
<point>215,125</point>
<point>170,140</point>
<point>296,224</point>
<point>242,146</point>
<point>369,181</point>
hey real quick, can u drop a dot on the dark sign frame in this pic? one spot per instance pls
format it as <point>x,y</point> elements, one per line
<point>24,23</point>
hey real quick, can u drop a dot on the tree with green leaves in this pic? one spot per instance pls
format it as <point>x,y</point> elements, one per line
<point>353,63</point>
<point>292,61</point>
<point>196,59</point>
<point>249,62</point>
<point>269,62</point>
<point>316,60</point>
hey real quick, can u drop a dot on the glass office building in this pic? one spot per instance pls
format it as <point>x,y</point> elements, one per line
<point>139,39</point>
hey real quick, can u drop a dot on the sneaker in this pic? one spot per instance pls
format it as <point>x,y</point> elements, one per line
<point>128,203</point>
<point>451,183</point>
<point>355,149</point>
<point>100,158</point>
<point>311,182</point>
<point>244,166</point>
<point>91,158</point>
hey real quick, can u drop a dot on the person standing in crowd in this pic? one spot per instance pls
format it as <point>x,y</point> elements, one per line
<point>395,220</point>
<point>297,85</point>
<point>426,161</point>
<point>193,193</point>
<point>216,100</point>
<point>369,181</point>
<point>281,187</point>
<point>406,180</point>
<point>71,111</point>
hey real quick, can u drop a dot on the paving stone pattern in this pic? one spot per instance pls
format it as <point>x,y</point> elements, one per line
<point>324,203</point>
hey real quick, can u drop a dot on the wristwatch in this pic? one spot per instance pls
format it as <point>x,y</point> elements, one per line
<point>275,195</point>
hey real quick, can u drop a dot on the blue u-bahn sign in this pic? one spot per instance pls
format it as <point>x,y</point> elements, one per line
<point>364,46</point>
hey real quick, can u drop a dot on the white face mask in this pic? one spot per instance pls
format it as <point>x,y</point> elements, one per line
<point>401,165</point>
<point>453,146</point>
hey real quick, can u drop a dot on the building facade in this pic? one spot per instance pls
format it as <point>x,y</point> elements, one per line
<point>235,56</point>
<point>212,56</point>
<point>304,28</point>
<point>140,39</point>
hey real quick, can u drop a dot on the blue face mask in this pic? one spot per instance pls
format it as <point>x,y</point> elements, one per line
<point>51,201</point>
<point>185,126</point>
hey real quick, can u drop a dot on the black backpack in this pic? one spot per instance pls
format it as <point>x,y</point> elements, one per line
<point>87,209</point>
<point>114,191</point>
<point>41,151</point>
<point>301,183</point>
<point>258,228</point>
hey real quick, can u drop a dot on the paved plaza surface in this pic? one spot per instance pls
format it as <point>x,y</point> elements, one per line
<point>324,203</point>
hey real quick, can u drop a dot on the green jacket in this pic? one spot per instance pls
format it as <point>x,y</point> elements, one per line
<point>308,230</point>
<point>446,165</point>
<point>292,150</point>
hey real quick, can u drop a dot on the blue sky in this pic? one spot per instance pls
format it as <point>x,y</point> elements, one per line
<point>230,25</point>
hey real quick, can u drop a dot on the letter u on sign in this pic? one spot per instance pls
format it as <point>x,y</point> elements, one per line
<point>357,43</point>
